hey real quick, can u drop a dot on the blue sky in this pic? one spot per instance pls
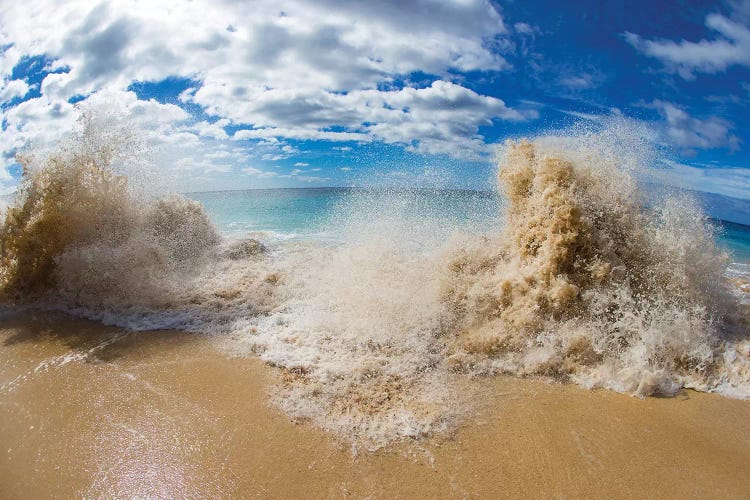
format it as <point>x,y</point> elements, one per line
<point>234,95</point>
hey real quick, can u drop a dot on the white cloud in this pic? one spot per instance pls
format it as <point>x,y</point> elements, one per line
<point>218,155</point>
<point>525,28</point>
<point>687,132</point>
<point>11,89</point>
<point>578,82</point>
<point>9,56</point>
<point>272,157</point>
<point>6,185</point>
<point>261,174</point>
<point>43,121</point>
<point>37,121</point>
<point>308,70</point>
<point>731,47</point>
<point>277,150</point>
<point>215,129</point>
<point>724,180</point>
<point>442,118</point>
<point>586,116</point>
<point>173,152</point>
<point>296,175</point>
<point>269,133</point>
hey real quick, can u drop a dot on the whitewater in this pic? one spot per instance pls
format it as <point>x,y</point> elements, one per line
<point>375,316</point>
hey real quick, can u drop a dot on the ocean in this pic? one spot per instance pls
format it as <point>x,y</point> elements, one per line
<point>313,212</point>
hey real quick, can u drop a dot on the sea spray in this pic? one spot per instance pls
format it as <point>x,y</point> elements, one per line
<point>587,282</point>
<point>373,332</point>
<point>78,238</point>
<point>71,197</point>
<point>361,332</point>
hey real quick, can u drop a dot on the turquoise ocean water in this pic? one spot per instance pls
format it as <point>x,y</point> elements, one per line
<point>317,212</point>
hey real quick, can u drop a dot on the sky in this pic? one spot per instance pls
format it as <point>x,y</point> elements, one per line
<point>290,93</point>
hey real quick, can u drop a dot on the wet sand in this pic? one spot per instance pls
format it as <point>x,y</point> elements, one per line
<point>92,411</point>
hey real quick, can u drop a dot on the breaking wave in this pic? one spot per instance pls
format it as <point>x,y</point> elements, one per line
<point>588,283</point>
<point>78,238</point>
<point>585,280</point>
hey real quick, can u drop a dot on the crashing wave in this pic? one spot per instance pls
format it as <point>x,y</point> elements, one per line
<point>77,238</point>
<point>587,281</point>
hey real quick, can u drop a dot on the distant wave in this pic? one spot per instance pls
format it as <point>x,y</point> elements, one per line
<point>375,330</point>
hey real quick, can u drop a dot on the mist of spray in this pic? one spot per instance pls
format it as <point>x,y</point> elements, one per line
<point>579,278</point>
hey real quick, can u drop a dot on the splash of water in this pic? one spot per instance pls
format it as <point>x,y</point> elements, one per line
<point>586,281</point>
<point>78,238</point>
<point>360,331</point>
<point>589,283</point>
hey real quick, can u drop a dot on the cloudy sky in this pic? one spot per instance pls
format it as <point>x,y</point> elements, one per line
<point>232,95</point>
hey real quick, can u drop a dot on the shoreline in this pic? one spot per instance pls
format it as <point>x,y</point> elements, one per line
<point>91,410</point>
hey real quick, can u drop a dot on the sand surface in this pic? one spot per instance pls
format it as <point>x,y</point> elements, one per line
<point>93,411</point>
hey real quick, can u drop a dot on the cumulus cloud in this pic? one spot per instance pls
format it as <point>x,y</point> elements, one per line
<point>43,121</point>
<point>174,152</point>
<point>730,47</point>
<point>296,174</point>
<point>687,132</point>
<point>289,69</point>
<point>718,179</point>
<point>36,121</point>
<point>13,89</point>
<point>442,118</point>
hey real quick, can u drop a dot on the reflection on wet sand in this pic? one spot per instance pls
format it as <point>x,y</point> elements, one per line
<point>88,410</point>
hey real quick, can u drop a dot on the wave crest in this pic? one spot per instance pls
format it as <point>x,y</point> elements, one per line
<point>588,282</point>
<point>76,232</point>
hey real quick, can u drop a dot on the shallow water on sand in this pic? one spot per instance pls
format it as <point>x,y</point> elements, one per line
<point>91,411</point>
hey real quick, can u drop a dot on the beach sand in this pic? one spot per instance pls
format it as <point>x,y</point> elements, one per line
<point>170,414</point>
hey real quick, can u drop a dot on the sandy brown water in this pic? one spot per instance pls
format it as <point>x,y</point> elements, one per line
<point>168,414</point>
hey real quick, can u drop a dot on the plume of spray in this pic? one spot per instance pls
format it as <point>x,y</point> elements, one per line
<point>589,281</point>
<point>80,237</point>
<point>584,280</point>
<point>358,333</point>
<point>70,197</point>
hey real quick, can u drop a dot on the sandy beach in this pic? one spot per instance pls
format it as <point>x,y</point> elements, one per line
<point>387,249</point>
<point>94,411</point>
